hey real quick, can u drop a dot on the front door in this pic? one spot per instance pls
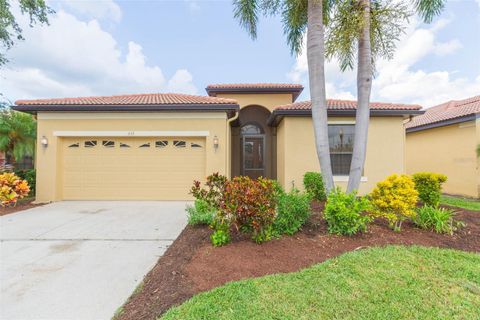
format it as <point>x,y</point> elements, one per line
<point>253,156</point>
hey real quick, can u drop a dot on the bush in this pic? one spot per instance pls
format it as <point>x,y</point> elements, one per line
<point>394,199</point>
<point>212,193</point>
<point>30,176</point>
<point>250,204</point>
<point>12,188</point>
<point>439,220</point>
<point>200,213</point>
<point>429,187</point>
<point>344,213</point>
<point>313,183</point>
<point>221,233</point>
<point>293,210</point>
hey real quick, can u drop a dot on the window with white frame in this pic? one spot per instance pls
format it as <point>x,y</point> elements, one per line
<point>340,138</point>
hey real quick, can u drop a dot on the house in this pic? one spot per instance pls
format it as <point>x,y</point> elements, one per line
<point>152,146</point>
<point>444,139</point>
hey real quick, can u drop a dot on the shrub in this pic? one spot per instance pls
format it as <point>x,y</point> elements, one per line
<point>344,213</point>
<point>394,199</point>
<point>212,193</point>
<point>313,183</point>
<point>429,187</point>
<point>200,213</point>
<point>30,176</point>
<point>439,220</point>
<point>293,210</point>
<point>251,206</point>
<point>221,233</point>
<point>12,188</point>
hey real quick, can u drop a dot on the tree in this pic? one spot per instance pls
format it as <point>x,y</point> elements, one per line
<point>17,134</point>
<point>10,30</point>
<point>368,30</point>
<point>300,16</point>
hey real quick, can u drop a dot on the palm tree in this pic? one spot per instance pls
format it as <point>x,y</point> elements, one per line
<point>17,134</point>
<point>368,30</point>
<point>299,16</point>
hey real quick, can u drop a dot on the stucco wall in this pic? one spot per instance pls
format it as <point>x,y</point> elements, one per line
<point>267,100</point>
<point>49,182</point>
<point>449,150</point>
<point>385,150</point>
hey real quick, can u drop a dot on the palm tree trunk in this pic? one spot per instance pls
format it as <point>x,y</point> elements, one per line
<point>316,73</point>
<point>364,88</point>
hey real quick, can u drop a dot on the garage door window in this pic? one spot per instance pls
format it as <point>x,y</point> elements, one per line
<point>179,143</point>
<point>90,143</point>
<point>195,145</point>
<point>161,144</point>
<point>145,145</point>
<point>74,145</point>
<point>108,143</point>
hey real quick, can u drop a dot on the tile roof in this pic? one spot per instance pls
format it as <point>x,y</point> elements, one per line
<point>132,99</point>
<point>334,104</point>
<point>447,111</point>
<point>255,86</point>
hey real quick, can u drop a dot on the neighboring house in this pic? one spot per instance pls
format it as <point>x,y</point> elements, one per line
<point>444,139</point>
<point>152,146</point>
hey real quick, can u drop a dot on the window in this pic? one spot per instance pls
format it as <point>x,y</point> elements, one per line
<point>251,129</point>
<point>124,145</point>
<point>75,145</point>
<point>90,143</point>
<point>108,143</point>
<point>195,145</point>
<point>179,143</point>
<point>145,145</point>
<point>161,144</point>
<point>340,138</point>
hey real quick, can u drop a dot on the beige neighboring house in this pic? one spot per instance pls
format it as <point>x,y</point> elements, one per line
<point>444,139</point>
<point>152,146</point>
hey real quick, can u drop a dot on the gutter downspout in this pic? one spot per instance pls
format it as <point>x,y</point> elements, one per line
<point>228,151</point>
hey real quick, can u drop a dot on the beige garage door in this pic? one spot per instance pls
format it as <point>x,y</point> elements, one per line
<point>131,168</point>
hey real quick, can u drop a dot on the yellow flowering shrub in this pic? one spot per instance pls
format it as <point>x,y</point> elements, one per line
<point>12,188</point>
<point>395,199</point>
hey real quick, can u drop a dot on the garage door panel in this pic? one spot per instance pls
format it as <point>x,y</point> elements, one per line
<point>107,171</point>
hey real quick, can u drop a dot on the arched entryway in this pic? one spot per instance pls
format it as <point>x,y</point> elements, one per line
<point>253,144</point>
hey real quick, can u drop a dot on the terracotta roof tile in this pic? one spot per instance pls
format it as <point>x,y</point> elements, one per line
<point>133,99</point>
<point>447,111</point>
<point>334,104</point>
<point>255,86</point>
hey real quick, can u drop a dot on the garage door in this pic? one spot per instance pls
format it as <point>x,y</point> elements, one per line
<point>131,168</point>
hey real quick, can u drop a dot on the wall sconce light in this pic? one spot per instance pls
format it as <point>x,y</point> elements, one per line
<point>215,143</point>
<point>44,142</point>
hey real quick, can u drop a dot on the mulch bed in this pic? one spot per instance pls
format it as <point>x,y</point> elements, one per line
<point>21,205</point>
<point>191,265</point>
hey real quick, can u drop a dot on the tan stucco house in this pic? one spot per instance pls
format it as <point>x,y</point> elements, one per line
<point>444,139</point>
<point>152,146</point>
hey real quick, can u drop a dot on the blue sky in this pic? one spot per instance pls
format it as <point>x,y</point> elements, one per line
<point>115,47</point>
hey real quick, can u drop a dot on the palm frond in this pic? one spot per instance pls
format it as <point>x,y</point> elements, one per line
<point>428,9</point>
<point>294,17</point>
<point>246,11</point>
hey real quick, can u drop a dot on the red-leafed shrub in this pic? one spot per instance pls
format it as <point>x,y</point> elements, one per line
<point>250,205</point>
<point>212,193</point>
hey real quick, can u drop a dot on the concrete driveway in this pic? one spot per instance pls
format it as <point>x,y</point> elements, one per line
<point>81,259</point>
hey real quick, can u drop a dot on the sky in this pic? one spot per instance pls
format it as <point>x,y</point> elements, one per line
<point>143,46</point>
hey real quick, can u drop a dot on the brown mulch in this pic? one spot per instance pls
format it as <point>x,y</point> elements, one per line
<point>192,265</point>
<point>21,205</point>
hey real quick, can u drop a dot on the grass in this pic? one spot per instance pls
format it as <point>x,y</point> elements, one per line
<point>464,203</point>
<point>378,283</point>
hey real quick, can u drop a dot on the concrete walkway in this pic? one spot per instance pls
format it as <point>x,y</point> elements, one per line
<point>81,260</point>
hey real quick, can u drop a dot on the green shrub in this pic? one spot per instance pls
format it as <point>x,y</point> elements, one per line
<point>439,220</point>
<point>200,213</point>
<point>250,204</point>
<point>221,232</point>
<point>395,199</point>
<point>212,193</point>
<point>344,213</point>
<point>313,183</point>
<point>293,210</point>
<point>429,187</point>
<point>30,176</point>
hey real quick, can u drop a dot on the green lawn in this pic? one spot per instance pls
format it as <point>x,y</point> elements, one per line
<point>378,283</point>
<point>468,204</point>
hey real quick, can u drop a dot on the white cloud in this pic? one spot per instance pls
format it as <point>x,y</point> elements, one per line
<point>105,9</point>
<point>75,58</point>
<point>400,79</point>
